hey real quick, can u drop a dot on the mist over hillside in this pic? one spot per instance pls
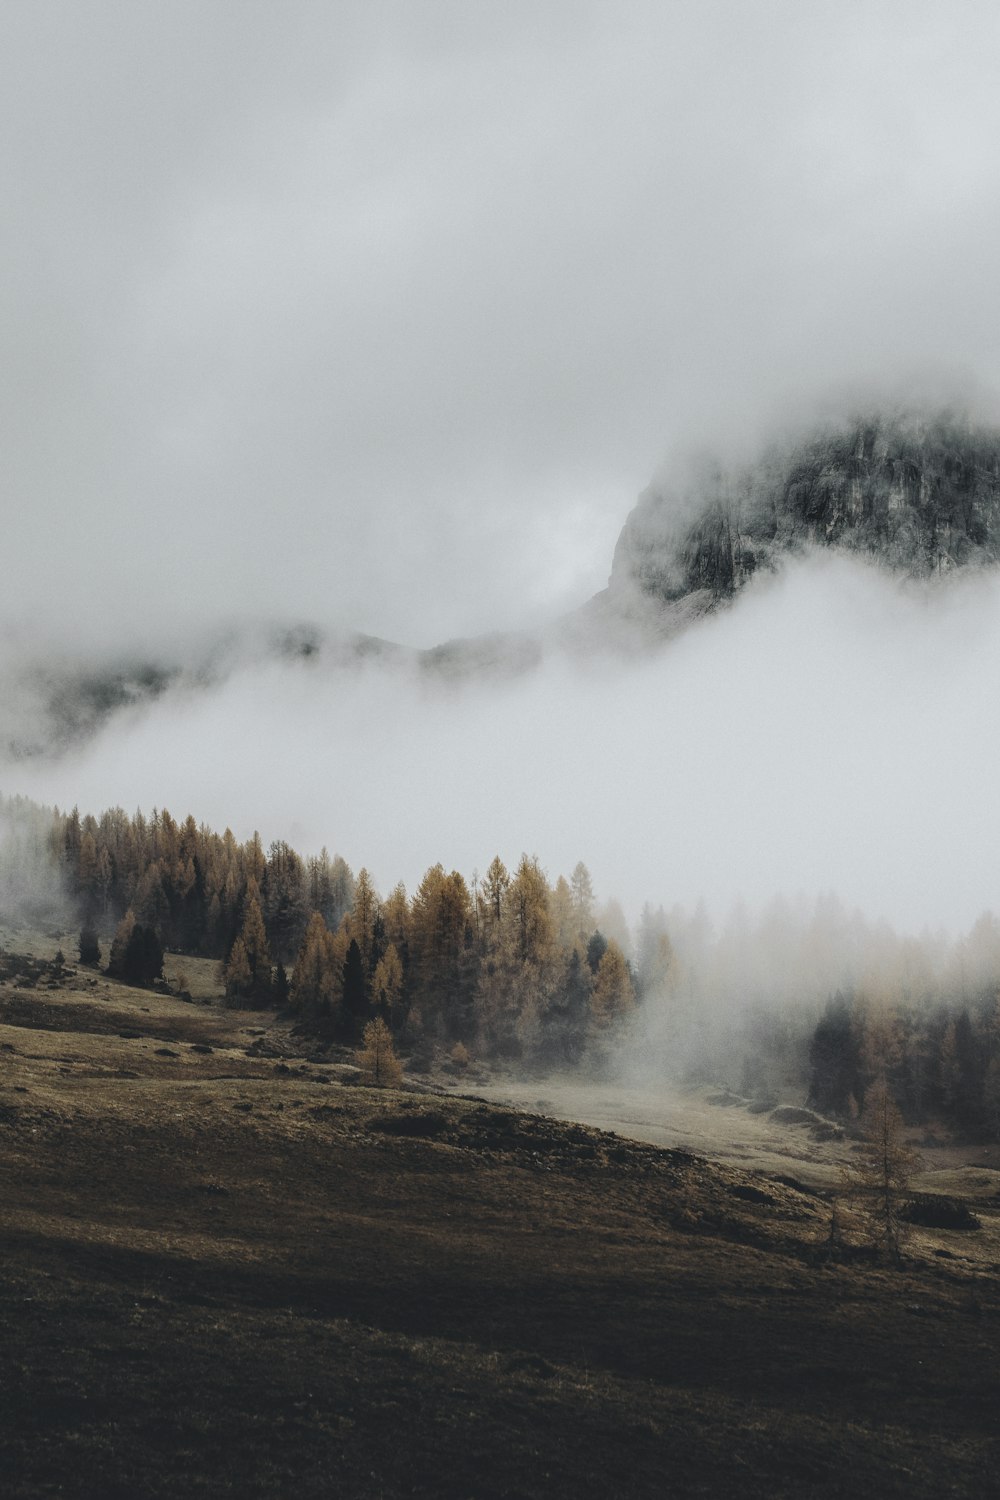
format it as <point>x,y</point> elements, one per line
<point>834,728</point>
<point>916,492</point>
<point>790,685</point>
<point>500,620</point>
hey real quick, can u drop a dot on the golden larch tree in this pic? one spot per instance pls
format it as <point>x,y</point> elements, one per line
<point>878,1180</point>
<point>380,1067</point>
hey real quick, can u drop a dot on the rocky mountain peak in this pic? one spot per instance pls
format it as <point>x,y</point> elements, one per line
<point>919,494</point>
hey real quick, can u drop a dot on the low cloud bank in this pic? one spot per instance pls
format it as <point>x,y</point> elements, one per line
<point>833,730</point>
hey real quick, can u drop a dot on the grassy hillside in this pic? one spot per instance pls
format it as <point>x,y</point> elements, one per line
<point>230,1270</point>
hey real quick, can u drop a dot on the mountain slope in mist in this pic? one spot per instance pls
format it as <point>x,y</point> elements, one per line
<point>918,495</point>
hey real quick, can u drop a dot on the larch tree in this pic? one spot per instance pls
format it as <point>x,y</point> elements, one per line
<point>253,939</point>
<point>387,986</point>
<point>495,885</point>
<point>87,874</point>
<point>319,885</point>
<point>497,996</point>
<point>655,954</point>
<point>442,951</point>
<point>613,996</point>
<point>342,885</point>
<point>531,936</point>
<point>563,914</point>
<point>396,919</point>
<point>364,912</point>
<point>877,1181</point>
<point>151,903</point>
<point>119,945</point>
<point>317,978</point>
<point>380,1067</point>
<point>285,899</point>
<point>254,861</point>
<point>238,973</point>
<point>583,899</point>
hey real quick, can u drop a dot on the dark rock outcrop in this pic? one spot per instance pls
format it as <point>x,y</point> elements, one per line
<point>917,494</point>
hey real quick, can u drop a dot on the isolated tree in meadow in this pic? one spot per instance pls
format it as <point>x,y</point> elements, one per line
<point>380,1067</point>
<point>877,1181</point>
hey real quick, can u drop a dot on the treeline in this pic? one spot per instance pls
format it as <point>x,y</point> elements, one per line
<point>814,998</point>
<point>512,966</point>
<point>940,1061</point>
<point>507,964</point>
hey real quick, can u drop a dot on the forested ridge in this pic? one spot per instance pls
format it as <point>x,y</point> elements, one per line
<point>508,966</point>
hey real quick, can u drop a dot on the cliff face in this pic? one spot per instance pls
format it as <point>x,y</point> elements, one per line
<point>919,495</point>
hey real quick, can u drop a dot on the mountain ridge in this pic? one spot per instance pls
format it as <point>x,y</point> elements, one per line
<point>916,493</point>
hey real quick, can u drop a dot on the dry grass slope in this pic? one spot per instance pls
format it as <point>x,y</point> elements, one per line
<point>229,1270</point>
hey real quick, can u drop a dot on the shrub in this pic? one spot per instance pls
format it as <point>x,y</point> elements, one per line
<point>932,1212</point>
<point>90,948</point>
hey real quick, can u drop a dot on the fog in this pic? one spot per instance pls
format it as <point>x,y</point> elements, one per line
<point>382,314</point>
<point>831,730</point>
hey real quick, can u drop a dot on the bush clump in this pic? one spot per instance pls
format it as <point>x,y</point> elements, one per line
<point>933,1212</point>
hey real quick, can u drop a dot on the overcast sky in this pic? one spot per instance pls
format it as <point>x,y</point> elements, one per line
<point>383,314</point>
